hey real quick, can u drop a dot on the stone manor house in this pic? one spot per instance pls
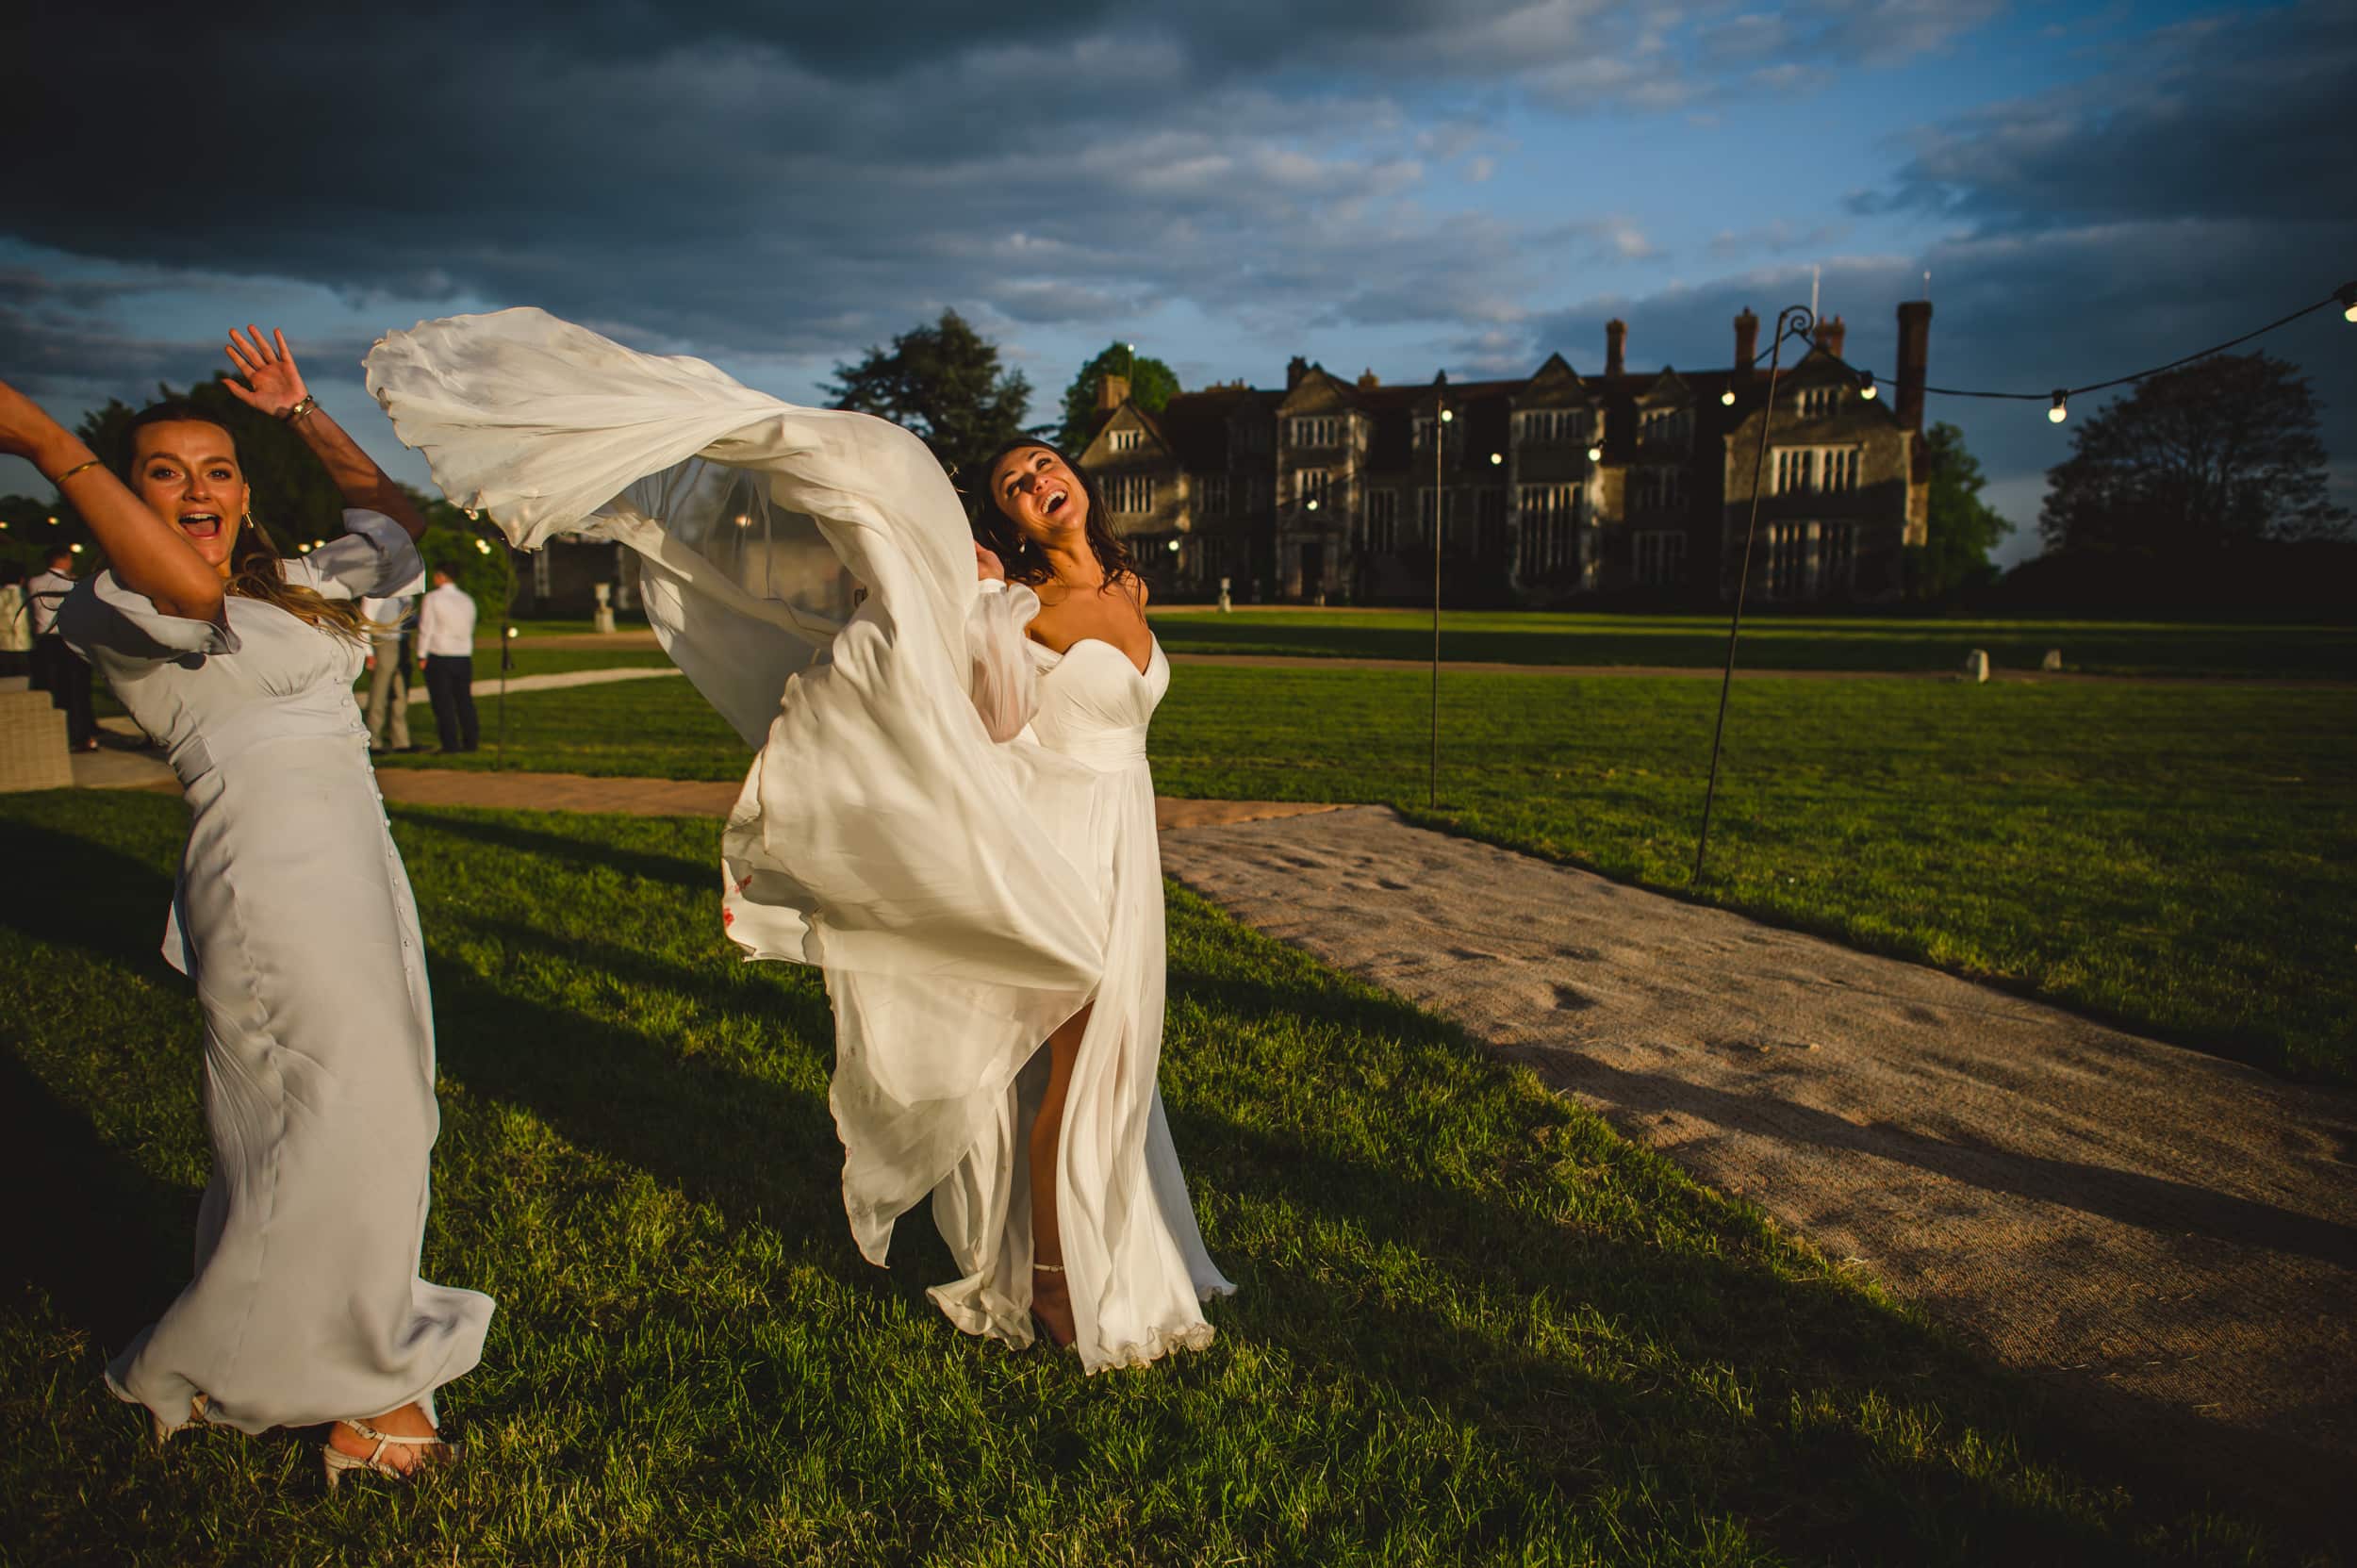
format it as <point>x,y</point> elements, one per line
<point>1558,489</point>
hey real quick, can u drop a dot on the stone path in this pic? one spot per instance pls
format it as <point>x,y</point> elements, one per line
<point>2171,1235</point>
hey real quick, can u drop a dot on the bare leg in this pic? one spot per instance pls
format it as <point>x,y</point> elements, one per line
<point>1050,1299</point>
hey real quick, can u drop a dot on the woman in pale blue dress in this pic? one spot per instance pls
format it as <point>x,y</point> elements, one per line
<point>294,919</point>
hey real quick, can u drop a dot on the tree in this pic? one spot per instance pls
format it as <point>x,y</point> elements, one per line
<point>1962,528</point>
<point>1152,384</point>
<point>2222,451</point>
<point>944,383</point>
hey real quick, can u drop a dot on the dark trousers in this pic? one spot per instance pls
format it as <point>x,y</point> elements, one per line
<point>62,673</point>
<point>449,685</point>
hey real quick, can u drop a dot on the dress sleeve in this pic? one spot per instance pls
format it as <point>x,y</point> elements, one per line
<point>1005,685</point>
<point>101,616</point>
<point>375,558</point>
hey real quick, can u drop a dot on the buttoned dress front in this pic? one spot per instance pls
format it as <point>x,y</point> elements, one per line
<point>293,917</point>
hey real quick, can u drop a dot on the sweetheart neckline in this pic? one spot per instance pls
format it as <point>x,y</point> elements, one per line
<point>1153,649</point>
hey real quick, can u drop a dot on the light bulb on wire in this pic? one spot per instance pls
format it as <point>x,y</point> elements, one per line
<point>1865,385</point>
<point>1727,397</point>
<point>2061,410</point>
<point>1596,455</point>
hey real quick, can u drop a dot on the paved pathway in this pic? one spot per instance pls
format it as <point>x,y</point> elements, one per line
<point>2172,1235</point>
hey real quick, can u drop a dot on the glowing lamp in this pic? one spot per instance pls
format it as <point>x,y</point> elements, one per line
<point>1727,397</point>
<point>2346,294</point>
<point>1866,387</point>
<point>1596,455</point>
<point>2061,410</point>
<point>78,550</point>
<point>1496,457</point>
<point>1448,415</point>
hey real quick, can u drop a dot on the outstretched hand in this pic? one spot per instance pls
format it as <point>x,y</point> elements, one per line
<point>273,384</point>
<point>987,567</point>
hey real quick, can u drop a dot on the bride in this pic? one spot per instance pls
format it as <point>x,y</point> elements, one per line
<point>948,812</point>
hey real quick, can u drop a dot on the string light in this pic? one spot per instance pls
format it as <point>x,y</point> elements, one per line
<point>483,546</point>
<point>1865,385</point>
<point>1727,397</point>
<point>2345,297</point>
<point>1448,414</point>
<point>78,549</point>
<point>1596,455</point>
<point>304,549</point>
<point>513,632</point>
<point>1496,457</point>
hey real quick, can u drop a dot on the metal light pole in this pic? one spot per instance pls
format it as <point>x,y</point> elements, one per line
<point>1792,319</point>
<point>1442,416</point>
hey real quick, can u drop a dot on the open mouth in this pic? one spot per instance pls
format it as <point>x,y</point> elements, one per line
<point>1055,502</point>
<point>201,525</point>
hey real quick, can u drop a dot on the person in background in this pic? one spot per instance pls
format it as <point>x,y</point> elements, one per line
<point>389,671</point>
<point>16,626</point>
<point>446,638</point>
<point>58,669</point>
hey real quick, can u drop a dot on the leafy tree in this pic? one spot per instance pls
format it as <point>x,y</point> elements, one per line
<point>944,383</point>
<point>1962,528</point>
<point>2225,450</point>
<point>1152,384</point>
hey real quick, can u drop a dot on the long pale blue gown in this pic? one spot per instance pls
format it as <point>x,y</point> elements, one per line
<point>294,919</point>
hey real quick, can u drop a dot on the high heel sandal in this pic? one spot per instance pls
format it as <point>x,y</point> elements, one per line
<point>336,1461</point>
<point>1062,1342</point>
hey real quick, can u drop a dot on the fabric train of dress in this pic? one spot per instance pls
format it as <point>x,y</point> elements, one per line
<point>964,892</point>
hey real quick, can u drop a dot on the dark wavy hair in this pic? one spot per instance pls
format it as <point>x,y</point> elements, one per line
<point>997,533</point>
<point>256,566</point>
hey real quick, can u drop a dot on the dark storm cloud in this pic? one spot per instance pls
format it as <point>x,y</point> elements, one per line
<point>774,180</point>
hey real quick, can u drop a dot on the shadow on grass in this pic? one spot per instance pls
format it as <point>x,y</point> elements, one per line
<point>112,1257</point>
<point>1789,1339</point>
<point>503,831</point>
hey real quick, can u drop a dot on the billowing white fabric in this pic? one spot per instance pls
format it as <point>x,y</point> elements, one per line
<point>294,919</point>
<point>963,896</point>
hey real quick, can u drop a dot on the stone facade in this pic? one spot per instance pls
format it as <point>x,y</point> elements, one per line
<point>1555,489</point>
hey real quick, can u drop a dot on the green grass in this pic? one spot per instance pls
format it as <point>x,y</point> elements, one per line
<point>1476,1325</point>
<point>1772,641</point>
<point>2181,860</point>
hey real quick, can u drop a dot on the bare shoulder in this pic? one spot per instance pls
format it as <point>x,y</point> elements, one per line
<point>1135,587</point>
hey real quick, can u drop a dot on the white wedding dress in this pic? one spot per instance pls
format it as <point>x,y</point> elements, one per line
<point>956,824</point>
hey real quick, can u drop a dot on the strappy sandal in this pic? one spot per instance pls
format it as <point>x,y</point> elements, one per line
<point>336,1461</point>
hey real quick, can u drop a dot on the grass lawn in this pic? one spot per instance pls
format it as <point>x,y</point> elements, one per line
<point>1476,1326</point>
<point>1772,641</point>
<point>2183,860</point>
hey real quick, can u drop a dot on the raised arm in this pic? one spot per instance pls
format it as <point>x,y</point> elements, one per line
<point>149,555</point>
<point>274,386</point>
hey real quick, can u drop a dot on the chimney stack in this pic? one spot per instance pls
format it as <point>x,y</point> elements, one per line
<point>1295,369</point>
<point>1915,354</point>
<point>1746,344</point>
<point>1615,347</point>
<point>1831,334</point>
<point>1112,392</point>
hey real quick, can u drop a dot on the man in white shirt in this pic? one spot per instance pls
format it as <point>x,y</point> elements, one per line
<point>446,637</point>
<point>389,669</point>
<point>56,669</point>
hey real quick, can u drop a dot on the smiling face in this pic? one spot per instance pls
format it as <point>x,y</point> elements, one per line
<point>187,472</point>
<point>1039,494</point>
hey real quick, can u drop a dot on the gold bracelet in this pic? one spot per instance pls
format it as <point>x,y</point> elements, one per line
<point>75,469</point>
<point>309,405</point>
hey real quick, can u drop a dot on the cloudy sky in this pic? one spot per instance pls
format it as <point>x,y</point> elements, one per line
<point>1395,184</point>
